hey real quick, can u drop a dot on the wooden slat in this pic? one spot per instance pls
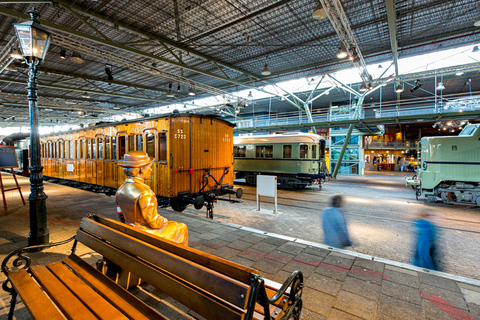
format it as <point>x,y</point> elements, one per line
<point>211,281</point>
<point>192,297</point>
<point>124,301</point>
<point>65,300</point>
<point>231,269</point>
<point>36,302</point>
<point>99,306</point>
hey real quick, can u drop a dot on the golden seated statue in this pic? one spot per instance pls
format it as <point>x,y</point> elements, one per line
<point>139,203</point>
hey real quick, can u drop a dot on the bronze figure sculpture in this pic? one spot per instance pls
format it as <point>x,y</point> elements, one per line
<point>139,203</point>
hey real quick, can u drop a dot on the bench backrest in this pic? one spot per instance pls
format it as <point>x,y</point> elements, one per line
<point>211,286</point>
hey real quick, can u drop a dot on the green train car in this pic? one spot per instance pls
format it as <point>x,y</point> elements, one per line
<point>449,168</point>
<point>295,158</point>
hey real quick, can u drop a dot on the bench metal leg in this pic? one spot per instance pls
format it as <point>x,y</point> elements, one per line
<point>13,301</point>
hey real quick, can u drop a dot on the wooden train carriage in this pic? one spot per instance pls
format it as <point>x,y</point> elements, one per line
<point>193,156</point>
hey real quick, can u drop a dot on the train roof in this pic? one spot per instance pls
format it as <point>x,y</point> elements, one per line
<point>109,124</point>
<point>291,137</point>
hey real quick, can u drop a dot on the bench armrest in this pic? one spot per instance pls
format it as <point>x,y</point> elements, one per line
<point>296,282</point>
<point>23,259</point>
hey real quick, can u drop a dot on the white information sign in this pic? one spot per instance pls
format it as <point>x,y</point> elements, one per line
<point>267,187</point>
<point>70,167</point>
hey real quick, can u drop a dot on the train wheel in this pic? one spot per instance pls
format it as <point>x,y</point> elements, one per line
<point>178,205</point>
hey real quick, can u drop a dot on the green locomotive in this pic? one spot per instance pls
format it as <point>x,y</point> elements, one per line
<point>295,158</point>
<point>449,168</point>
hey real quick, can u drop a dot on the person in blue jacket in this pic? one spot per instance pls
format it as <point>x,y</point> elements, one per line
<point>425,246</point>
<point>335,225</point>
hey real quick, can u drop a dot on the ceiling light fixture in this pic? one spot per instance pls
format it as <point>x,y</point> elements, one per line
<point>319,13</point>
<point>86,95</point>
<point>108,71</point>
<point>477,23</point>
<point>417,86</point>
<point>342,51</point>
<point>363,87</point>
<point>475,49</point>
<point>178,87</point>
<point>459,73</point>
<point>266,70</point>
<point>116,107</point>
<point>399,88</point>
<point>63,53</point>
<point>440,86</point>
<point>191,92</point>
<point>77,57</point>
<point>170,93</point>
<point>250,95</point>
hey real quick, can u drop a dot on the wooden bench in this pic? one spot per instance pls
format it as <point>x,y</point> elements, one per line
<point>213,287</point>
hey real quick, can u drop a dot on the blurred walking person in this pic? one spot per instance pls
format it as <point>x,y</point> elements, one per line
<point>425,247</point>
<point>335,226</point>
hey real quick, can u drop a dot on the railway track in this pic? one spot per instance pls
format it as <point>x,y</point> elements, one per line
<point>287,202</point>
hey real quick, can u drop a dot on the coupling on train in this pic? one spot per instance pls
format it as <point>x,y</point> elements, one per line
<point>296,159</point>
<point>449,168</point>
<point>193,157</point>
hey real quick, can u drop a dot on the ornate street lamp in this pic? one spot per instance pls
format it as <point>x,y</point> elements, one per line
<point>34,42</point>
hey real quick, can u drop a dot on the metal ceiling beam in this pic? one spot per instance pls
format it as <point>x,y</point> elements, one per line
<point>121,25</point>
<point>72,76</point>
<point>392,30</point>
<point>84,90</point>
<point>339,20</point>
<point>159,72</point>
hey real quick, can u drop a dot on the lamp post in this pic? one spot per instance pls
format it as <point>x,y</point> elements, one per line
<point>34,42</point>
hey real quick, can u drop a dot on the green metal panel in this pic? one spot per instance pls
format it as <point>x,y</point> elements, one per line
<point>449,159</point>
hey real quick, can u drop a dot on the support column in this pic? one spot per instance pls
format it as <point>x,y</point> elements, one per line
<point>39,233</point>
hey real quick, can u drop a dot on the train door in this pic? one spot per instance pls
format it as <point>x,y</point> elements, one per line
<point>90,171</point>
<point>321,157</point>
<point>110,162</point>
<point>82,160</point>
<point>180,154</point>
<point>71,170</point>
<point>150,139</point>
<point>121,150</point>
<point>163,167</point>
<point>60,158</point>
<point>100,162</point>
<point>48,159</point>
<point>55,159</point>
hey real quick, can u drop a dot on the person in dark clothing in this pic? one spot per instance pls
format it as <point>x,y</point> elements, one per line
<point>425,247</point>
<point>335,226</point>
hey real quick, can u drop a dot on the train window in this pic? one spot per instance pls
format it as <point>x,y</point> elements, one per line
<point>107,148</point>
<point>100,148</point>
<point>140,144</point>
<point>287,151</point>
<point>70,148</point>
<point>321,150</point>
<point>314,152</point>
<point>264,152</point>
<point>131,142</point>
<point>162,146</point>
<point>304,151</point>
<point>150,144</point>
<point>94,149</point>
<point>121,147</point>
<point>239,151</point>
<point>114,148</point>
<point>89,148</point>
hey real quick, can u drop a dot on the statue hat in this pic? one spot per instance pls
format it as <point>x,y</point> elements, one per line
<point>136,159</point>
